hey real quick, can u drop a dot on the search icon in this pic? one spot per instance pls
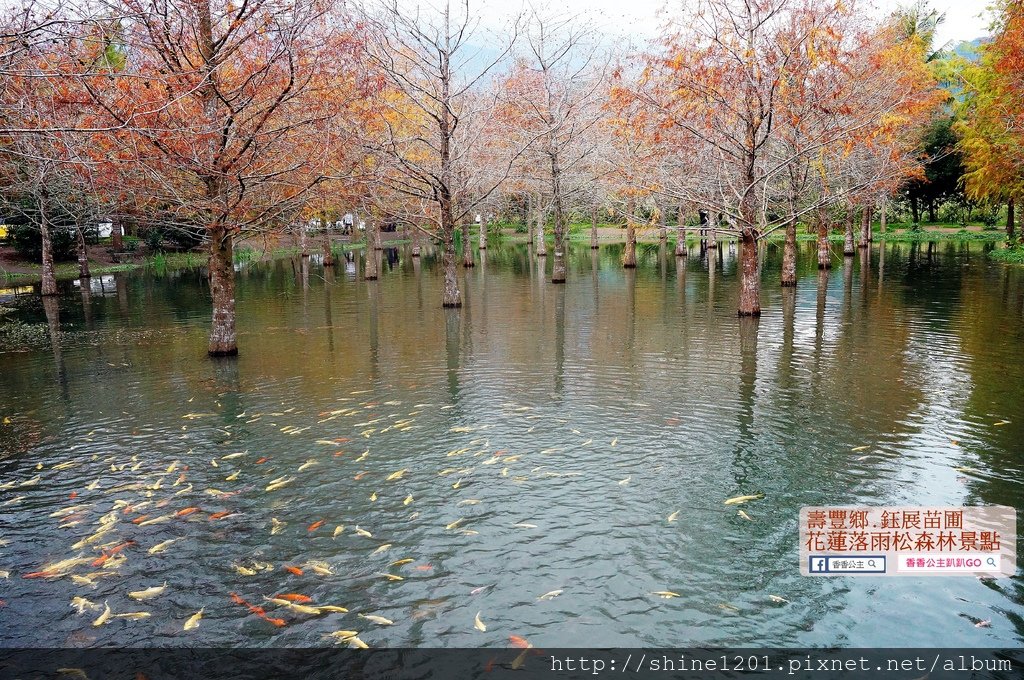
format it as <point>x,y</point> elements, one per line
<point>991,562</point>
<point>871,564</point>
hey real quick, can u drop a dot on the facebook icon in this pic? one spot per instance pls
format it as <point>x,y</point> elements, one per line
<point>818,564</point>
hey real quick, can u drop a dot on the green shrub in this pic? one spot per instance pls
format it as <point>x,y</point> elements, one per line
<point>28,242</point>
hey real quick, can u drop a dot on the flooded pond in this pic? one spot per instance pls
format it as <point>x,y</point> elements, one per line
<point>516,462</point>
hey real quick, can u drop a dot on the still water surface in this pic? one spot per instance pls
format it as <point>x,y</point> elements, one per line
<point>546,434</point>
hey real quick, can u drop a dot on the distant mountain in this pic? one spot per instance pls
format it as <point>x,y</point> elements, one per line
<point>969,49</point>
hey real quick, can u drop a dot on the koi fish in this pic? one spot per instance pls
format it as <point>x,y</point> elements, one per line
<point>279,482</point>
<point>133,615</point>
<point>104,617</point>
<point>743,499</point>
<point>379,620</point>
<point>163,545</point>
<point>193,621</point>
<point>294,570</point>
<point>147,593</point>
<point>315,525</point>
<point>81,604</point>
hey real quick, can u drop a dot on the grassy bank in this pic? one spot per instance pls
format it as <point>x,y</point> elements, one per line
<point>25,272</point>
<point>1011,255</point>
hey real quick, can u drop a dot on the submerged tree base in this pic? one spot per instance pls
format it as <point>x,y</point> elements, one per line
<point>229,352</point>
<point>789,284</point>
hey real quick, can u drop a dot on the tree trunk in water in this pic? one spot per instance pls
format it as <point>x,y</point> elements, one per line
<point>451,297</point>
<point>931,210</point>
<point>789,255</point>
<point>824,256</point>
<point>750,281</point>
<point>663,227</point>
<point>914,210</point>
<point>83,253</point>
<point>370,269</point>
<point>49,284</point>
<point>883,217</point>
<point>115,236</point>
<point>680,234</point>
<point>542,244</point>
<point>303,240</point>
<point>328,252</point>
<point>558,266</point>
<point>848,239</point>
<point>713,219</point>
<point>629,254</point>
<point>467,250</point>
<point>528,219</point>
<point>593,228</point>
<point>1009,219</point>
<point>483,232</point>
<point>415,242</point>
<point>223,341</point>
<point>377,244</point>
<point>865,227</point>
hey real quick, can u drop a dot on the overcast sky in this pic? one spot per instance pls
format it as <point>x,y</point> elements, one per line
<point>640,18</point>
